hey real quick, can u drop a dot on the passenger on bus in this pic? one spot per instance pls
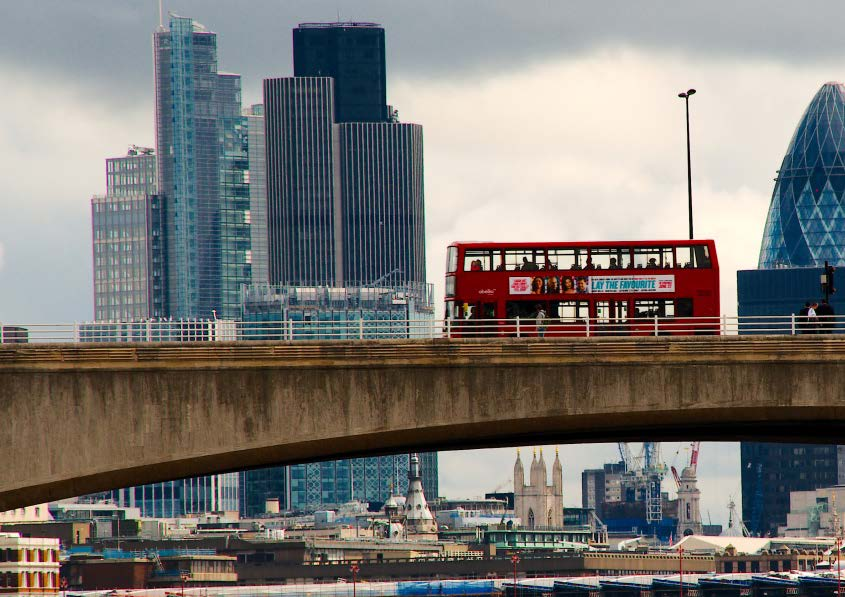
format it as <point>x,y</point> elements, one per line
<point>652,263</point>
<point>500,267</point>
<point>589,264</point>
<point>476,265</point>
<point>613,264</point>
<point>529,266</point>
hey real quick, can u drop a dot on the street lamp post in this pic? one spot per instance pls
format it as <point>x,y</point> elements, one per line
<point>354,570</point>
<point>515,560</point>
<point>686,95</point>
<point>681,569</point>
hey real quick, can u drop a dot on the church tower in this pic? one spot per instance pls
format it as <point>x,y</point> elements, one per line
<point>418,518</point>
<point>689,514</point>
<point>537,504</point>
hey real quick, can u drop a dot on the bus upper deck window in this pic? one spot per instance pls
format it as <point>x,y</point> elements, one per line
<point>610,258</point>
<point>452,259</point>
<point>480,260</point>
<point>697,256</point>
<point>524,259</point>
<point>567,259</point>
<point>653,258</point>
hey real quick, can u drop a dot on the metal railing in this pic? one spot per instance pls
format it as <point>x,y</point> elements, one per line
<point>190,331</point>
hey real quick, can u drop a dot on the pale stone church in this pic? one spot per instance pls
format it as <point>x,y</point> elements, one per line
<point>538,504</point>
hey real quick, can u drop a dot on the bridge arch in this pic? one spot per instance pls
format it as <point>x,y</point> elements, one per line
<point>83,418</point>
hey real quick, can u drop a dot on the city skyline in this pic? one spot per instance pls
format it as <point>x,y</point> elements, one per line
<point>567,116</point>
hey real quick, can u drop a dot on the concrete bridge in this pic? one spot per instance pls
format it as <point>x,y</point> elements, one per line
<point>84,418</point>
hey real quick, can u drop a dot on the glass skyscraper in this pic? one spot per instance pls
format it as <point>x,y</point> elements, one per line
<point>302,211</point>
<point>203,166</point>
<point>346,234</point>
<point>806,221</point>
<point>317,485</point>
<point>804,228</point>
<point>171,499</point>
<point>128,246</point>
<point>381,190</point>
<point>257,193</point>
<point>353,55</point>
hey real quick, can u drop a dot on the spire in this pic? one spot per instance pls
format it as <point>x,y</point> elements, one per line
<point>543,471</point>
<point>537,475</point>
<point>518,474</point>
<point>418,516</point>
<point>557,474</point>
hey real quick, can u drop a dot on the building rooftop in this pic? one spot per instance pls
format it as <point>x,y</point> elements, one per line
<point>339,25</point>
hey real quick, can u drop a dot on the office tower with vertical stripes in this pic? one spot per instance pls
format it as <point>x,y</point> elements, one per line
<point>345,199</point>
<point>345,220</point>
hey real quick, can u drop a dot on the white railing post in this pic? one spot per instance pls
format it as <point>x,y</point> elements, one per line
<point>656,325</point>
<point>2,329</point>
<point>725,325</point>
<point>588,326</point>
<point>793,323</point>
<point>361,327</point>
<point>75,332</point>
<point>518,331</point>
<point>448,327</point>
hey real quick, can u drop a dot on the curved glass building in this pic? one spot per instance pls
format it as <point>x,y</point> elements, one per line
<point>806,222</point>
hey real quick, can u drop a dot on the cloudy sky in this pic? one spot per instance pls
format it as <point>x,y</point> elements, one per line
<point>543,119</point>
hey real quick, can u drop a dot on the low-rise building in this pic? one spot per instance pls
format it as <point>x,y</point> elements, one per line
<point>28,565</point>
<point>813,513</point>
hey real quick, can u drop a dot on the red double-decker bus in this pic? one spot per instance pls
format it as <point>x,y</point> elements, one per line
<point>585,288</point>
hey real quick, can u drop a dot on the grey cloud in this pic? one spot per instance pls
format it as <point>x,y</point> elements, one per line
<point>105,45</point>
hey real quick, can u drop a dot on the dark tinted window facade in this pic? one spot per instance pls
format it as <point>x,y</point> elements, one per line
<point>353,55</point>
<point>771,471</point>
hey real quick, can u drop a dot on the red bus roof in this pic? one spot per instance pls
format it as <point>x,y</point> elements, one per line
<point>587,243</point>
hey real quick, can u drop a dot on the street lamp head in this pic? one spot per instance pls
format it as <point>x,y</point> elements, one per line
<point>687,93</point>
<point>682,94</point>
<point>690,91</point>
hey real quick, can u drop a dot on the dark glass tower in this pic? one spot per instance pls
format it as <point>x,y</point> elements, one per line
<point>771,471</point>
<point>345,210</point>
<point>301,208</point>
<point>381,190</point>
<point>353,55</point>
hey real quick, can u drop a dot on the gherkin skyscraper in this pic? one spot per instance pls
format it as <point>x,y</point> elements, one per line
<point>806,222</point>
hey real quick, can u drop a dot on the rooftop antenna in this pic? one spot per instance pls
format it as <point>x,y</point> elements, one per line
<point>160,14</point>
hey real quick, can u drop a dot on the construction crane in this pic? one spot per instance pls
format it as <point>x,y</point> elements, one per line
<point>695,447</point>
<point>649,466</point>
<point>654,470</point>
